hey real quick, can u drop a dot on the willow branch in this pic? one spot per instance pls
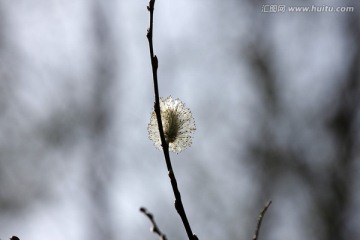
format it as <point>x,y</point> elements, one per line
<point>261,216</point>
<point>154,64</point>
<point>154,228</point>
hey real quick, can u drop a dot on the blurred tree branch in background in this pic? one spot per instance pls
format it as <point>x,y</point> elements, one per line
<point>331,185</point>
<point>101,161</point>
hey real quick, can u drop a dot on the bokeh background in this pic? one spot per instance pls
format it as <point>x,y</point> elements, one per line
<point>275,97</point>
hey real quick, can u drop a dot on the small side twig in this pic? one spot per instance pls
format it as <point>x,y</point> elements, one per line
<point>261,216</point>
<point>154,228</point>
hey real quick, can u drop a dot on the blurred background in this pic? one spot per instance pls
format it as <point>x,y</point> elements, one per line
<point>275,97</point>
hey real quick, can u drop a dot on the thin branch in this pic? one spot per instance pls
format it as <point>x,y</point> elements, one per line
<point>261,216</point>
<point>154,64</point>
<point>154,228</point>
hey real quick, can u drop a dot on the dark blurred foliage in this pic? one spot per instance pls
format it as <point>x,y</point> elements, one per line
<point>36,142</point>
<point>284,161</point>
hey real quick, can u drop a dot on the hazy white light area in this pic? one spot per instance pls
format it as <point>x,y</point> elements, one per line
<point>76,96</point>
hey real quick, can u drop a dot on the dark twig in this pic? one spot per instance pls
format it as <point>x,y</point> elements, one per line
<point>154,64</point>
<point>261,216</point>
<point>154,228</point>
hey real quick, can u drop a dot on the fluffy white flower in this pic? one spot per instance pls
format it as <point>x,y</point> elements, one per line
<point>178,125</point>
